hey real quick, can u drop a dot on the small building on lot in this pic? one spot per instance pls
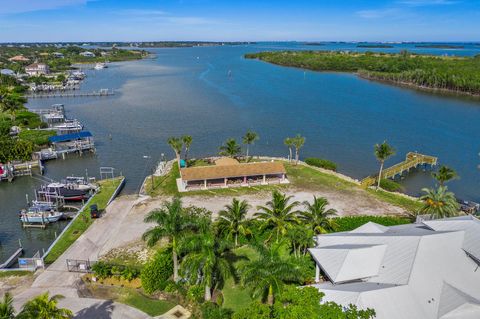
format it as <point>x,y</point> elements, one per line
<point>229,173</point>
<point>58,55</point>
<point>37,69</point>
<point>7,72</point>
<point>18,58</point>
<point>87,54</point>
<point>426,270</point>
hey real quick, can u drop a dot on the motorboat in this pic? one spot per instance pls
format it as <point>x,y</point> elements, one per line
<point>69,193</point>
<point>100,66</point>
<point>78,182</point>
<point>37,214</point>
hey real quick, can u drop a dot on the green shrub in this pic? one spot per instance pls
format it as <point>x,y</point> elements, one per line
<point>36,137</point>
<point>130,273</point>
<point>195,293</point>
<point>102,269</point>
<point>349,223</point>
<point>323,163</point>
<point>389,185</point>
<point>213,311</point>
<point>157,272</point>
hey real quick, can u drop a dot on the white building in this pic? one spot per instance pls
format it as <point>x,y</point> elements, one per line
<point>425,270</point>
<point>37,69</point>
<point>87,54</point>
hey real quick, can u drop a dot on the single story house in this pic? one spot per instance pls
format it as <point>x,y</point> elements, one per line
<point>18,58</point>
<point>37,69</point>
<point>425,270</point>
<point>7,72</point>
<point>230,173</point>
<point>58,55</point>
<point>87,54</point>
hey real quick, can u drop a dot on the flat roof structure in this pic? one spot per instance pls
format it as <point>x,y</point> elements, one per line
<point>229,171</point>
<point>426,270</point>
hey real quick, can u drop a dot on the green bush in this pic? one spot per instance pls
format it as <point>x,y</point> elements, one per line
<point>349,223</point>
<point>389,185</point>
<point>130,273</point>
<point>36,137</point>
<point>102,269</point>
<point>195,293</point>
<point>157,272</point>
<point>323,163</point>
<point>213,311</point>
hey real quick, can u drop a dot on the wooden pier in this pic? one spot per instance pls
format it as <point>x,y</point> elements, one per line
<point>12,258</point>
<point>412,160</point>
<point>102,92</point>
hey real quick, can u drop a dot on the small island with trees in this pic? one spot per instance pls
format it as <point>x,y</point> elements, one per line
<point>451,74</point>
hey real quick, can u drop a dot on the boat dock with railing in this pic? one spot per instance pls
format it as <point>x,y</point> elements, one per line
<point>412,160</point>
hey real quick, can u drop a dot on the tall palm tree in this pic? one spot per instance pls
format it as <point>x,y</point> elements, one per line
<point>298,142</point>
<point>301,238</point>
<point>278,214</point>
<point>207,260</point>
<point>176,144</point>
<point>6,307</point>
<point>439,203</point>
<point>232,219</point>
<point>382,152</point>
<point>267,275</point>
<point>230,148</point>
<point>44,307</point>
<point>172,224</point>
<point>444,175</point>
<point>249,138</point>
<point>289,143</point>
<point>187,142</point>
<point>318,217</point>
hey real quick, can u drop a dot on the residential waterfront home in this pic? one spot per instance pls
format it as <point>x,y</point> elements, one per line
<point>426,270</point>
<point>87,54</point>
<point>7,72</point>
<point>18,58</point>
<point>37,69</point>
<point>58,55</point>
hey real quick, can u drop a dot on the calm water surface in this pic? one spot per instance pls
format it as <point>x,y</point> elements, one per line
<point>212,93</point>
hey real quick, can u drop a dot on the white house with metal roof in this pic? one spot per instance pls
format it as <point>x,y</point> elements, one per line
<point>426,270</point>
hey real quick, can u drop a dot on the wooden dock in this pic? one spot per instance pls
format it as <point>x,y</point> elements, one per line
<point>102,92</point>
<point>412,160</point>
<point>12,258</point>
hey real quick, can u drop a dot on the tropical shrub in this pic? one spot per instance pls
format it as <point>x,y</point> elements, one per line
<point>323,163</point>
<point>102,269</point>
<point>389,185</point>
<point>195,293</point>
<point>157,272</point>
<point>212,311</point>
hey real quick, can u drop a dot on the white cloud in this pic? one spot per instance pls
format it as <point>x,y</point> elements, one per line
<point>422,3</point>
<point>141,12</point>
<point>377,13</point>
<point>19,6</point>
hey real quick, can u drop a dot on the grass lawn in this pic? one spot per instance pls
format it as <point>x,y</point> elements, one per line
<point>397,200</point>
<point>79,225</point>
<point>37,137</point>
<point>131,297</point>
<point>17,273</point>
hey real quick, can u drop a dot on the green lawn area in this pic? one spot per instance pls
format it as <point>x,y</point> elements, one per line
<point>17,273</point>
<point>79,225</point>
<point>397,200</point>
<point>150,306</point>
<point>37,137</point>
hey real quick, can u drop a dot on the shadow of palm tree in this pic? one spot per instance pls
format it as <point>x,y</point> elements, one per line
<point>102,310</point>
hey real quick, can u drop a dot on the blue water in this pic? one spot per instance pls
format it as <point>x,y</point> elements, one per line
<point>213,93</point>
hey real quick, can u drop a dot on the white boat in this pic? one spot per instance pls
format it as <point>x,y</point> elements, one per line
<point>100,66</point>
<point>40,214</point>
<point>78,182</point>
<point>69,126</point>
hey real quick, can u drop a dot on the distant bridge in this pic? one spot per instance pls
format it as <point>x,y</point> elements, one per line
<point>412,160</point>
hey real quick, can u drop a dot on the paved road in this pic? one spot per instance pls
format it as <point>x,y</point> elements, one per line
<point>102,234</point>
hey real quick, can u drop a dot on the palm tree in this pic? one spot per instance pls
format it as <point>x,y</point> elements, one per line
<point>233,219</point>
<point>439,203</point>
<point>249,138</point>
<point>187,141</point>
<point>207,260</point>
<point>173,224</point>
<point>176,144</point>
<point>44,307</point>
<point>444,175</point>
<point>230,148</point>
<point>278,214</point>
<point>301,238</point>
<point>6,307</point>
<point>11,102</point>
<point>289,143</point>
<point>267,275</point>
<point>382,152</point>
<point>298,142</point>
<point>318,217</point>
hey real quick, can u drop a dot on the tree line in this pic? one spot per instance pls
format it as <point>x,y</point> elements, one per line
<point>460,74</point>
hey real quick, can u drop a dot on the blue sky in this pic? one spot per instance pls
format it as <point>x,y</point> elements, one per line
<point>245,20</point>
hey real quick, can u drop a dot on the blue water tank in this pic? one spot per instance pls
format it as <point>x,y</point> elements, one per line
<point>183,163</point>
